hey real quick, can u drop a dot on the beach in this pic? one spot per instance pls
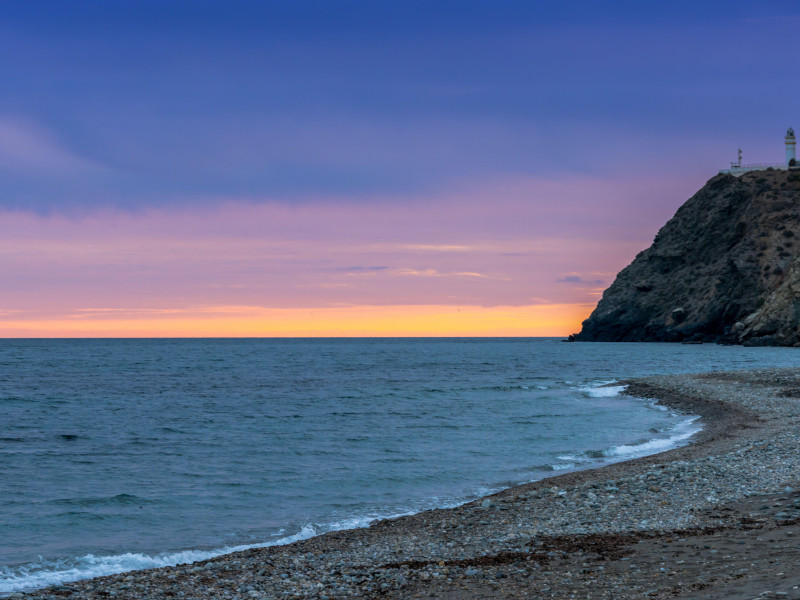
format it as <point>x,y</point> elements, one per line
<point>718,518</point>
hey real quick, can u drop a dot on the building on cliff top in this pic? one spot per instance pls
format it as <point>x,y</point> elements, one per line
<point>737,168</point>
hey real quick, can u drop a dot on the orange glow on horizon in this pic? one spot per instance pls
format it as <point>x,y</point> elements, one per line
<point>547,320</point>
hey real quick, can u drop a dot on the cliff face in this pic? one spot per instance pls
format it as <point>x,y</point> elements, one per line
<point>725,268</point>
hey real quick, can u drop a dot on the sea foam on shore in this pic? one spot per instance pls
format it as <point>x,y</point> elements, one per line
<point>45,572</point>
<point>671,437</point>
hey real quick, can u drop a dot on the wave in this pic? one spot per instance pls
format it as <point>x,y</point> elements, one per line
<point>603,390</point>
<point>45,573</point>
<point>682,431</point>
<point>556,466</point>
<point>679,433</point>
<point>511,387</point>
<point>118,500</point>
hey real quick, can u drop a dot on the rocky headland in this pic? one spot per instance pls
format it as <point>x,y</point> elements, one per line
<point>725,268</point>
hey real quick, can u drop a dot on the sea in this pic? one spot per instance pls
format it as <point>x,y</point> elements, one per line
<point>125,454</point>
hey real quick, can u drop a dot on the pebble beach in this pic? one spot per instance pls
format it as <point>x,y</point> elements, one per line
<point>713,519</point>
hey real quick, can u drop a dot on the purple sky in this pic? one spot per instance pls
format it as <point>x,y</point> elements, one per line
<point>182,156</point>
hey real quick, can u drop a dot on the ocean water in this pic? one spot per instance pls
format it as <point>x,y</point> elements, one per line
<point>126,454</point>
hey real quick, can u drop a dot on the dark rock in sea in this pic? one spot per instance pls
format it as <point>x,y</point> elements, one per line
<point>725,268</point>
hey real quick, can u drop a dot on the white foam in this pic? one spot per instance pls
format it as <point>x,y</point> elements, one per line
<point>562,466</point>
<point>573,458</point>
<point>681,432</point>
<point>603,390</point>
<point>51,572</point>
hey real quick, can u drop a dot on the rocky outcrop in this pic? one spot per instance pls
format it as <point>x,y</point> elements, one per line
<point>775,323</point>
<point>725,268</point>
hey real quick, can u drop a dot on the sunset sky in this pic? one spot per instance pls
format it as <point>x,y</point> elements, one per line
<point>359,168</point>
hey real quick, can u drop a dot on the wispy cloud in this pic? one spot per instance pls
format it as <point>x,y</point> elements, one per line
<point>577,279</point>
<point>435,273</point>
<point>439,247</point>
<point>88,313</point>
<point>356,269</point>
<point>154,264</point>
<point>27,147</point>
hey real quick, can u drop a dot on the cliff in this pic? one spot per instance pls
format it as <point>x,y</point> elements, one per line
<point>725,268</point>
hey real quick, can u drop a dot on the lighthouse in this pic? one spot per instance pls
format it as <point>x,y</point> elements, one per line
<point>790,146</point>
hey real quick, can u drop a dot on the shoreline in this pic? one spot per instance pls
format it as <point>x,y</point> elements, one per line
<point>166,559</point>
<point>462,550</point>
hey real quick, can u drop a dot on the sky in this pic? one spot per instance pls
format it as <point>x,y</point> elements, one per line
<point>351,168</point>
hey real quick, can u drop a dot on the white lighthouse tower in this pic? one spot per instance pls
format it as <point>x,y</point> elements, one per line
<point>790,146</point>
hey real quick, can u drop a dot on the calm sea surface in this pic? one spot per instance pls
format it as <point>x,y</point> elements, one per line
<point>126,454</point>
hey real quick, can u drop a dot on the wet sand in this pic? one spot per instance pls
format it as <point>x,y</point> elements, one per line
<point>718,518</point>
